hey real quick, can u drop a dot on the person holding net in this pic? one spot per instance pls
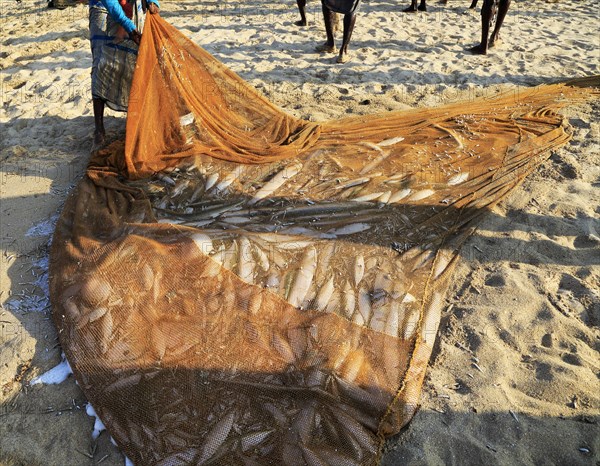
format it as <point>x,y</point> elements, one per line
<point>115,35</point>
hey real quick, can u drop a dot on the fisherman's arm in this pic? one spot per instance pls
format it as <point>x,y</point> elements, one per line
<point>116,12</point>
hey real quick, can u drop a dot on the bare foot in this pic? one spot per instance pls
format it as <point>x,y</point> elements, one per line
<point>326,48</point>
<point>495,41</point>
<point>478,50</point>
<point>410,9</point>
<point>301,23</point>
<point>343,58</point>
<point>422,8</point>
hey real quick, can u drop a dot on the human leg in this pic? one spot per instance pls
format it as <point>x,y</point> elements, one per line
<point>412,8</point>
<point>302,9</point>
<point>99,132</point>
<point>349,21</point>
<point>502,10</point>
<point>98,38</point>
<point>487,14</point>
<point>329,18</point>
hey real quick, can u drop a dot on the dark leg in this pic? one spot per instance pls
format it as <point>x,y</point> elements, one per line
<point>99,133</point>
<point>330,18</point>
<point>502,10</point>
<point>487,14</point>
<point>302,9</point>
<point>349,21</point>
<point>412,8</point>
<point>423,5</point>
<point>473,4</point>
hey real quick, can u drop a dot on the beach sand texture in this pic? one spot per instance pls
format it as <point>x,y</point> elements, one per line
<point>515,374</point>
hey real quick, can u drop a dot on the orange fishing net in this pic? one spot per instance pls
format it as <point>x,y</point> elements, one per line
<point>236,286</point>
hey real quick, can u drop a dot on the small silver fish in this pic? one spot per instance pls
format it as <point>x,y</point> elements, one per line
<point>390,142</point>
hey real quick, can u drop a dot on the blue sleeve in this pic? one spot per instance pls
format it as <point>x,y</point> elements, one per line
<point>116,12</point>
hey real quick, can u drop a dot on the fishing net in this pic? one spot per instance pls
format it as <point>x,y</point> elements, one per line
<point>236,286</point>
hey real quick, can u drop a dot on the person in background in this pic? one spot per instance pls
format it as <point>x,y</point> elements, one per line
<point>115,34</point>
<point>413,6</point>
<point>304,21</point>
<point>489,10</point>
<point>348,8</point>
<point>423,5</point>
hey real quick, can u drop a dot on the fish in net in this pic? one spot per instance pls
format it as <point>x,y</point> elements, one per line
<point>235,286</point>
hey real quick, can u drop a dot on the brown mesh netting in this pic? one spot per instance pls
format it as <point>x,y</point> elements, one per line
<point>271,291</point>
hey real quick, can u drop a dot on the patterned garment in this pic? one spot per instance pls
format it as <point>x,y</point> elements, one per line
<point>111,81</point>
<point>98,38</point>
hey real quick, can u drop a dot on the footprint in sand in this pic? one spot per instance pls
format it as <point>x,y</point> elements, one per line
<point>570,283</point>
<point>543,371</point>
<point>547,340</point>
<point>495,280</point>
<point>586,241</point>
<point>569,171</point>
<point>573,359</point>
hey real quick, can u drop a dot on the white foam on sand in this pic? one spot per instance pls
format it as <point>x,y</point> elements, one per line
<point>56,375</point>
<point>99,427</point>
<point>98,424</point>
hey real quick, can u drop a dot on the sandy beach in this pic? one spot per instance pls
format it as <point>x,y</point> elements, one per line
<point>515,375</point>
